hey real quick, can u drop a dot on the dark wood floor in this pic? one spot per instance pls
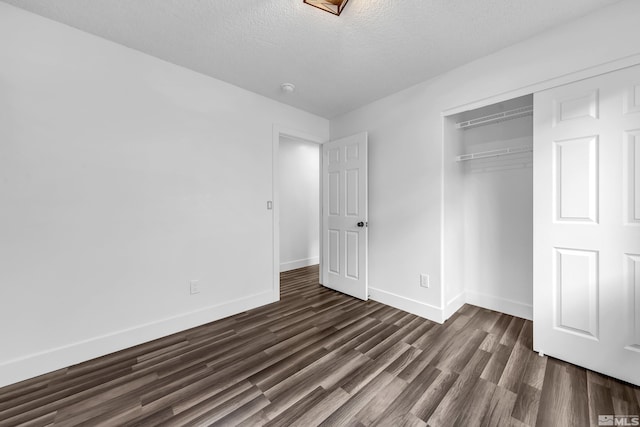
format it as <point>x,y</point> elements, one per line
<point>320,357</point>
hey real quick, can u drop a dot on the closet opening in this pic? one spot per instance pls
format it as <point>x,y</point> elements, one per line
<point>488,208</point>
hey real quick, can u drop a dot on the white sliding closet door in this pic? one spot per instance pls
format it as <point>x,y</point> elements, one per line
<point>587,223</point>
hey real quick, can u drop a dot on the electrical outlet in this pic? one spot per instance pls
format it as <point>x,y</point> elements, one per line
<point>424,280</point>
<point>194,287</point>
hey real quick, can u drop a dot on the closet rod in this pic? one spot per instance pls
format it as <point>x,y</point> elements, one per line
<point>494,153</point>
<point>496,118</point>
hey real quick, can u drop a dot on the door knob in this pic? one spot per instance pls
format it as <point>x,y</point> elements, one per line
<point>360,224</point>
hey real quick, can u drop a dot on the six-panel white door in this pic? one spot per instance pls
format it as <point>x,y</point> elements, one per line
<point>344,215</point>
<point>587,223</point>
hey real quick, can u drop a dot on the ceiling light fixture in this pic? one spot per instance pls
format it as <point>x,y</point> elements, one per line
<point>331,6</point>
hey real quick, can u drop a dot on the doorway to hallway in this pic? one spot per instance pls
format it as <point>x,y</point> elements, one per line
<point>299,213</point>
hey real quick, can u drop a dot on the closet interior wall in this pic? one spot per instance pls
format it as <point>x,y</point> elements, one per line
<point>488,212</point>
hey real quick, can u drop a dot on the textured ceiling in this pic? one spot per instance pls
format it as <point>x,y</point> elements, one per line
<point>375,48</point>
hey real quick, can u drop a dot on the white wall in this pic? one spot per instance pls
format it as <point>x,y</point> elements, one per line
<point>122,177</point>
<point>405,143</point>
<point>299,203</point>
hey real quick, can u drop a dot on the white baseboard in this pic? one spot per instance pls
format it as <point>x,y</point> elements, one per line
<point>502,305</point>
<point>412,306</point>
<point>299,263</point>
<point>16,370</point>
<point>454,304</point>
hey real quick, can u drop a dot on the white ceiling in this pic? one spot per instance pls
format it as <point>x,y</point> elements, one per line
<point>375,48</point>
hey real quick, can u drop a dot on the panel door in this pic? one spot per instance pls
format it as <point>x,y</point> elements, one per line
<point>587,223</point>
<point>344,215</point>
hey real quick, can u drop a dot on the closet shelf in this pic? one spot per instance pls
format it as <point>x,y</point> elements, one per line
<point>496,118</point>
<point>495,153</point>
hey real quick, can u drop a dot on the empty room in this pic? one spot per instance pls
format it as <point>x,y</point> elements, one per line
<point>319,212</point>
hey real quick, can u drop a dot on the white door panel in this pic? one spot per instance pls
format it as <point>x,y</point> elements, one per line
<point>344,175</point>
<point>587,223</point>
<point>632,98</point>
<point>632,276</point>
<point>577,291</point>
<point>631,172</point>
<point>576,179</point>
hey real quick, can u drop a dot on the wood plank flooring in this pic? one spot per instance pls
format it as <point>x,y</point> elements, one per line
<point>318,357</point>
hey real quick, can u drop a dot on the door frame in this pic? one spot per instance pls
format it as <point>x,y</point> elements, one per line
<point>279,131</point>
<point>539,86</point>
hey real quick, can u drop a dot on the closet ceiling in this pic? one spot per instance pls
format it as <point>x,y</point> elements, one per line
<point>375,48</point>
